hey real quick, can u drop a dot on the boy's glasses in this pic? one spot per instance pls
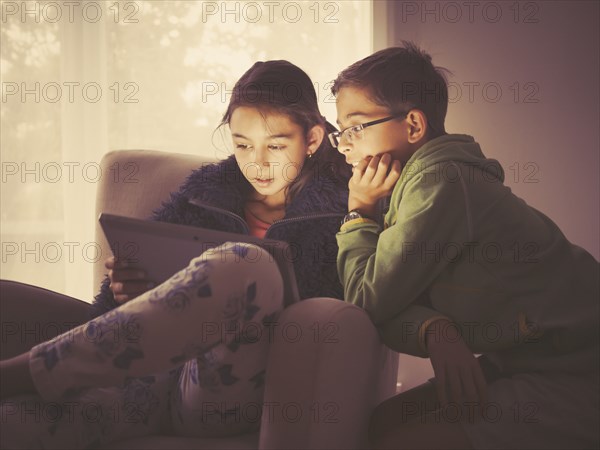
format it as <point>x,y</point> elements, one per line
<point>355,132</point>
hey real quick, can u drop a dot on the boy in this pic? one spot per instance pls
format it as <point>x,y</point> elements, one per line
<point>460,266</point>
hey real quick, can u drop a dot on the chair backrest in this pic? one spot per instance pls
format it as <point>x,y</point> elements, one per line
<point>135,182</point>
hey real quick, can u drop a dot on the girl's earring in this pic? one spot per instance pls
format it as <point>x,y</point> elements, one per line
<point>310,155</point>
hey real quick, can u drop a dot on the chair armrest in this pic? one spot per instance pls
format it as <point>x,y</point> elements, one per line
<point>30,315</point>
<point>327,370</point>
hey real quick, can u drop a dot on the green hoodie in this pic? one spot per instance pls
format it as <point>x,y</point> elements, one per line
<point>457,243</point>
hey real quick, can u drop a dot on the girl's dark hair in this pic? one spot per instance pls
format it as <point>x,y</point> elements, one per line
<point>285,88</point>
<point>402,78</point>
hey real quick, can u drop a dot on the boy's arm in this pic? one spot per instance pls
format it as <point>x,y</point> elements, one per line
<point>385,272</point>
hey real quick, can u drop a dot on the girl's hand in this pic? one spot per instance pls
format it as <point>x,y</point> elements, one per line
<point>371,181</point>
<point>126,283</point>
<point>458,375</point>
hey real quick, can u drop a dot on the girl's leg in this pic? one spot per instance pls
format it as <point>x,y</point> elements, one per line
<point>160,329</point>
<point>92,419</point>
<point>30,315</point>
<point>220,392</point>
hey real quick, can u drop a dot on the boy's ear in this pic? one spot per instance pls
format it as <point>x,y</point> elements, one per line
<point>417,125</point>
<point>314,139</point>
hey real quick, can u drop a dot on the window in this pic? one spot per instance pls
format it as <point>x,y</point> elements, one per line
<point>82,78</point>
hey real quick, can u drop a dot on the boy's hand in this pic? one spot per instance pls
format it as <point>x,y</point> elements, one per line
<point>371,181</point>
<point>126,283</point>
<point>458,375</point>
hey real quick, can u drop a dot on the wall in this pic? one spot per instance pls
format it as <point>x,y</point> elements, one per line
<point>533,74</point>
<point>525,85</point>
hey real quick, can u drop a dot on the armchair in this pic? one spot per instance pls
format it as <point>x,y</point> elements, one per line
<point>321,391</point>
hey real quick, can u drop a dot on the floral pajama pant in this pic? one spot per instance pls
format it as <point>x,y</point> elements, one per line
<point>187,358</point>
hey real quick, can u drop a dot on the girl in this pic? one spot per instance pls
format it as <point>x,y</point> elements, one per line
<point>145,363</point>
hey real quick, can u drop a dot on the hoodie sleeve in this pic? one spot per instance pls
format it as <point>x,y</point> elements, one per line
<point>386,272</point>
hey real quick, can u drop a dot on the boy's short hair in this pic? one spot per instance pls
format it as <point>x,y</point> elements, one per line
<point>401,79</point>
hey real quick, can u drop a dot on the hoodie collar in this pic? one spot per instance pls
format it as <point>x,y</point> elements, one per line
<point>453,147</point>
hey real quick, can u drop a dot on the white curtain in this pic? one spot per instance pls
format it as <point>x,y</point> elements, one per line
<point>80,80</point>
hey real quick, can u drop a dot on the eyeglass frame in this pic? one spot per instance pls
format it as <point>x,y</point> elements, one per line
<point>339,134</point>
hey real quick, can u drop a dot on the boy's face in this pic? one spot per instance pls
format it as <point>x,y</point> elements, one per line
<point>354,107</point>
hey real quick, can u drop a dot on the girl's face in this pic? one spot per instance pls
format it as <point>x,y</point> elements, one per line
<point>270,149</point>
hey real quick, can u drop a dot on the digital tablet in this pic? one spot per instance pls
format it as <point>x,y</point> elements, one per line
<point>162,249</point>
